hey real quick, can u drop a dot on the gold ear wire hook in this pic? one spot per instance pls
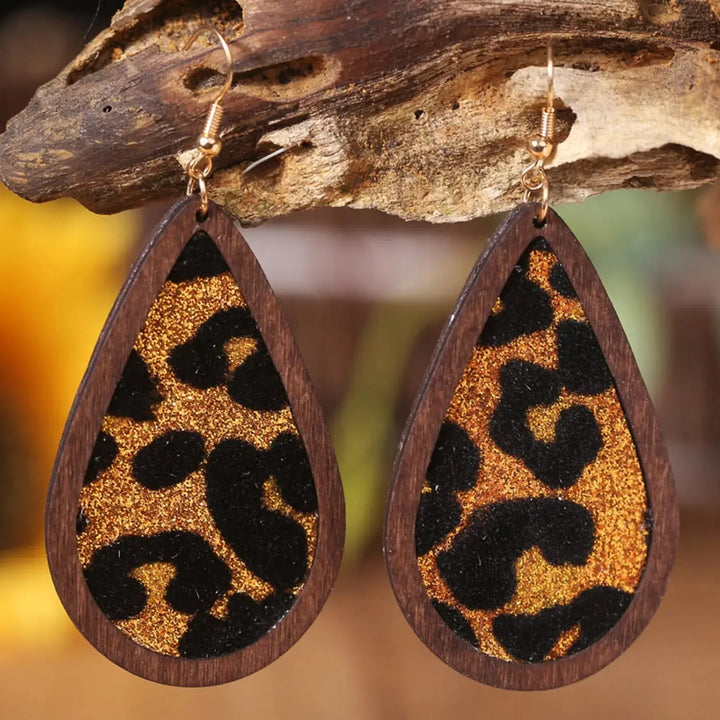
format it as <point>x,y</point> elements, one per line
<point>228,56</point>
<point>551,77</point>
<point>547,127</point>
<point>208,143</point>
<point>541,146</point>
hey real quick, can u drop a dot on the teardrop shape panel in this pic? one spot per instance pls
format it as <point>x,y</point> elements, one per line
<point>535,512</point>
<point>197,512</point>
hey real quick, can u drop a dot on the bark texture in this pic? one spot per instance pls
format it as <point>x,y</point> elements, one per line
<point>421,109</point>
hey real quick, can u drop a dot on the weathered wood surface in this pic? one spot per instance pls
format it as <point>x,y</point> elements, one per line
<point>419,108</point>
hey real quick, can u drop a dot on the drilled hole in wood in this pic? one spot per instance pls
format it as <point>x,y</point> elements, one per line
<point>565,119</point>
<point>203,78</point>
<point>617,53</point>
<point>586,66</point>
<point>660,12</point>
<point>269,166</point>
<point>637,182</point>
<point>610,55</point>
<point>297,77</point>
<point>288,80</point>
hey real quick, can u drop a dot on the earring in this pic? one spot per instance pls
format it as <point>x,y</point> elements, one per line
<point>531,522</point>
<point>195,517</point>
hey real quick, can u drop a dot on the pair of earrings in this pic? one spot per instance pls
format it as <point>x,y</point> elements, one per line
<point>195,518</point>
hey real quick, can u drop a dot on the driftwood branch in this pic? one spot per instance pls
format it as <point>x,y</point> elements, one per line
<point>421,109</point>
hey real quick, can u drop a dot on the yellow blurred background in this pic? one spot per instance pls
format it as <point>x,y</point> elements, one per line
<point>366,314</point>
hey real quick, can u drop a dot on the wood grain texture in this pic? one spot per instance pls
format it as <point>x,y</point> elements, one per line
<point>420,109</point>
<point>451,356</point>
<point>117,338</point>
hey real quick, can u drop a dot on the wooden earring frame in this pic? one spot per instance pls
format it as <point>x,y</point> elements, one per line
<point>108,360</point>
<point>451,356</point>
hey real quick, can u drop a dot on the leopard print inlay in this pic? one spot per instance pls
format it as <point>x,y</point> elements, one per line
<point>197,522</point>
<point>533,526</point>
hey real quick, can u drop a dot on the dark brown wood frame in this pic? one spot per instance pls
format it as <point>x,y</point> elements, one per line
<point>450,359</point>
<point>121,329</point>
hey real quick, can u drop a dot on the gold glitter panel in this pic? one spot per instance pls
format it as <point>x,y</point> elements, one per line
<point>116,506</point>
<point>610,488</point>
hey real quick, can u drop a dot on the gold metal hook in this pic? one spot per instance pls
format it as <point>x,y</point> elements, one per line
<point>551,77</point>
<point>547,125</point>
<point>541,146</point>
<point>208,143</point>
<point>228,58</point>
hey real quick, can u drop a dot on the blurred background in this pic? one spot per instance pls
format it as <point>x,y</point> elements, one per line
<point>366,296</point>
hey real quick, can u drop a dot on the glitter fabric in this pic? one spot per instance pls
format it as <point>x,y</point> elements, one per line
<point>611,487</point>
<point>116,505</point>
<point>158,626</point>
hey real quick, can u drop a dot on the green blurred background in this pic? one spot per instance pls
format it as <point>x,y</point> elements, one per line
<point>366,296</point>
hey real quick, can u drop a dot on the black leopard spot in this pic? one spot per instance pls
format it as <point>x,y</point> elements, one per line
<point>256,383</point>
<point>558,464</point>
<point>201,577</point>
<point>104,453</point>
<point>582,365</point>
<point>200,258</point>
<point>438,514</point>
<point>245,623</point>
<point>479,567</point>
<point>560,282</point>
<point>453,466</point>
<point>538,244</point>
<point>526,307</point>
<point>202,361</point>
<point>168,459</point>
<point>242,464</point>
<point>270,544</point>
<point>531,637</point>
<point>136,393</point>
<point>456,622</point>
<point>287,461</point>
<point>455,460</point>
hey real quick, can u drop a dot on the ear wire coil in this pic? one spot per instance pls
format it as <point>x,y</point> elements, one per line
<point>213,122</point>
<point>547,124</point>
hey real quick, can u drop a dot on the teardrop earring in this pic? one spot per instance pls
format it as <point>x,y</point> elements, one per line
<point>531,522</point>
<point>195,517</point>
